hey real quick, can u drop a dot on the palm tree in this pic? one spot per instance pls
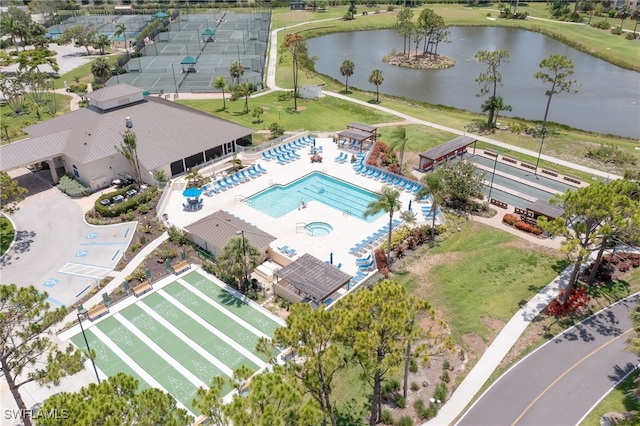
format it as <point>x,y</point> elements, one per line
<point>238,256</point>
<point>11,26</point>
<point>101,70</point>
<point>376,78</point>
<point>389,201</point>
<point>494,105</point>
<point>399,137</point>
<point>346,69</point>
<point>100,42</point>
<point>244,89</point>
<point>128,149</point>
<point>635,15</point>
<point>221,84</point>
<point>433,185</point>
<point>236,70</point>
<point>121,30</point>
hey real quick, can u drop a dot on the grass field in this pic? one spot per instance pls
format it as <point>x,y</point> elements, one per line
<point>326,114</point>
<point>6,234</point>
<point>83,73</point>
<point>15,123</point>
<point>480,275</point>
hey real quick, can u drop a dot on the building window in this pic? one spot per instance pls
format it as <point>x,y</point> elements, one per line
<point>75,171</point>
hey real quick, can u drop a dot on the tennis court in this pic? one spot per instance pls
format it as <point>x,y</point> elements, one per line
<point>213,41</point>
<point>180,335</point>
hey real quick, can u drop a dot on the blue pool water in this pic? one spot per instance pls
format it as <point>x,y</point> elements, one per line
<point>342,196</point>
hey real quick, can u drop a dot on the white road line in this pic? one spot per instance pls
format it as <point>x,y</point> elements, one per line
<point>131,363</point>
<point>220,308</point>
<point>159,351</point>
<point>189,342</point>
<point>213,330</point>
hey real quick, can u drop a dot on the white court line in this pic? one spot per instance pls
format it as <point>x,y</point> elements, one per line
<point>131,363</point>
<point>220,308</point>
<point>159,351</point>
<point>187,341</point>
<point>213,330</point>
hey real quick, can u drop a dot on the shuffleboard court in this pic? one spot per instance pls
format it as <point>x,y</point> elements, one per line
<point>180,335</point>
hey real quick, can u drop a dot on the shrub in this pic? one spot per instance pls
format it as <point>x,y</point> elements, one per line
<point>130,216</point>
<point>631,36</point>
<point>446,364</point>
<point>130,204</point>
<point>144,208</point>
<point>602,25</point>
<point>624,266</point>
<point>143,240</point>
<point>510,219</point>
<point>414,386</point>
<point>524,226</point>
<point>401,402</point>
<point>387,417</point>
<point>276,130</point>
<point>381,261</point>
<point>177,236</point>
<point>405,421</point>
<point>616,31</point>
<point>413,365</point>
<point>578,298</point>
<point>610,154</point>
<point>390,386</point>
<point>440,392</point>
<point>72,187</point>
<point>445,376</point>
<point>168,254</point>
<point>134,247</point>
<point>390,8</point>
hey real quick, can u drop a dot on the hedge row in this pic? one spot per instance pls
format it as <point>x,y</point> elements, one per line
<point>131,204</point>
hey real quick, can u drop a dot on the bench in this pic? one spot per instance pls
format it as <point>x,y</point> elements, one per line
<point>491,153</point>
<point>181,267</point>
<point>573,179</point>
<point>509,159</point>
<point>97,312</point>
<point>498,203</point>
<point>142,288</point>
<point>550,172</point>
<point>528,165</point>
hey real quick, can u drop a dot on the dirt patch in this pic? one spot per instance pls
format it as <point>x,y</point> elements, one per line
<point>297,16</point>
<point>475,345</point>
<point>494,324</point>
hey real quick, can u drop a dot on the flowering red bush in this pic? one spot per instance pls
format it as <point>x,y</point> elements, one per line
<point>379,150</point>
<point>624,266</point>
<point>578,298</point>
<point>510,219</point>
<point>524,226</point>
<point>381,262</point>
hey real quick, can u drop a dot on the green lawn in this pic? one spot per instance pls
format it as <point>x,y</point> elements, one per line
<point>617,401</point>
<point>326,114</point>
<point>488,277</point>
<point>6,234</point>
<point>15,123</point>
<point>83,73</point>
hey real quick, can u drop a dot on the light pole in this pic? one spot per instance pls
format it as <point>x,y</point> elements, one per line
<point>86,342</point>
<point>244,258</point>
<point>495,163</point>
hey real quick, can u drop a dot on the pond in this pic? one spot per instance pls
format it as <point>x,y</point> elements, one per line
<point>608,100</point>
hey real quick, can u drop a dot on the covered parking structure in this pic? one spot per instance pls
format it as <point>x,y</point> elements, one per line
<point>446,151</point>
<point>309,279</point>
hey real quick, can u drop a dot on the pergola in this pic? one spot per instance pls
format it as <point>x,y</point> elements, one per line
<point>443,152</point>
<point>542,208</point>
<point>364,128</point>
<point>310,278</point>
<point>356,135</point>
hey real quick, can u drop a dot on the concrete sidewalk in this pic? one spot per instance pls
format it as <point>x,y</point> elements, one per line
<point>120,277</point>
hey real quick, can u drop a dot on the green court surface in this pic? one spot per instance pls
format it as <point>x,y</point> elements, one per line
<point>180,336</point>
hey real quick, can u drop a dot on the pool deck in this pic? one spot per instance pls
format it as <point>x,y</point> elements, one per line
<point>347,230</point>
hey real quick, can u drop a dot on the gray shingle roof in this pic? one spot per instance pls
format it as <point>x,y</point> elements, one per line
<point>448,147</point>
<point>32,150</point>
<point>354,134</point>
<point>219,227</point>
<point>113,92</point>
<point>313,277</point>
<point>165,132</point>
<point>543,208</point>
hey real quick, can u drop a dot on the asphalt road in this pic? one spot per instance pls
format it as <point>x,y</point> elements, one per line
<point>560,381</point>
<point>55,250</point>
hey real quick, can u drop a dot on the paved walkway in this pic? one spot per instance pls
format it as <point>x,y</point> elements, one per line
<point>120,276</point>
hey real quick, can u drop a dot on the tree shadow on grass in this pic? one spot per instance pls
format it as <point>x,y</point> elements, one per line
<point>610,292</point>
<point>373,102</point>
<point>560,265</point>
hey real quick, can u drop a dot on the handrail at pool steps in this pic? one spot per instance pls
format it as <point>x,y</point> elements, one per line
<point>243,199</point>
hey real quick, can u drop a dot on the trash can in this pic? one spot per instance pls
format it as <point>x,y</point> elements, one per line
<point>165,216</point>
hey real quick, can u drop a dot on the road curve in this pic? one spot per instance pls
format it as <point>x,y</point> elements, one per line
<point>560,381</point>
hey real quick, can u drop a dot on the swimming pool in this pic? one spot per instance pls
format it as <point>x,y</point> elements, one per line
<point>335,193</point>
